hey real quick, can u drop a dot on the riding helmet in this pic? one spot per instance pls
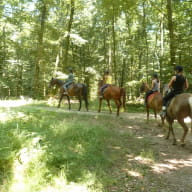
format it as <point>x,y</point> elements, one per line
<point>179,68</point>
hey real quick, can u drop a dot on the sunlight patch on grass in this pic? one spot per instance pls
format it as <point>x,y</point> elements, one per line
<point>60,184</point>
<point>15,103</point>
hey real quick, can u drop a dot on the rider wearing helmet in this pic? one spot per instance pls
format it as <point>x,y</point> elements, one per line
<point>155,87</point>
<point>177,84</point>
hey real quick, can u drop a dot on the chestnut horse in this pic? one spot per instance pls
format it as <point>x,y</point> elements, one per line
<point>75,89</point>
<point>118,94</point>
<point>179,108</point>
<point>154,101</point>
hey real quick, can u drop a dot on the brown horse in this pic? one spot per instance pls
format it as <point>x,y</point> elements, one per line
<point>154,101</point>
<point>118,94</point>
<point>78,90</point>
<point>179,108</point>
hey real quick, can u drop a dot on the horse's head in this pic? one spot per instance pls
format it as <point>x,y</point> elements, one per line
<point>100,83</point>
<point>52,82</point>
<point>166,89</point>
<point>144,87</point>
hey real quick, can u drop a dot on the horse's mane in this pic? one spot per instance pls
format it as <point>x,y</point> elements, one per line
<point>166,89</point>
<point>60,81</point>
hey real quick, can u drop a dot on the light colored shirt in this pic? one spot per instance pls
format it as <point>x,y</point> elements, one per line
<point>107,79</point>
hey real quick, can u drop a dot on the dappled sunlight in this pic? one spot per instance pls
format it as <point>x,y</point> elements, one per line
<point>160,135</point>
<point>15,103</point>
<point>171,164</point>
<point>60,184</point>
<point>143,160</point>
<point>132,173</point>
<point>7,116</point>
<point>162,167</point>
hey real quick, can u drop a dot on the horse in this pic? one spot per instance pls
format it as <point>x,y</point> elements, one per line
<point>178,109</point>
<point>75,89</point>
<point>118,94</point>
<point>154,101</point>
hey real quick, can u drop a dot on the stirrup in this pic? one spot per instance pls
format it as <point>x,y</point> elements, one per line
<point>163,113</point>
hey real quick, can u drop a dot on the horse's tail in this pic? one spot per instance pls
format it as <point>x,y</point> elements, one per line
<point>190,103</point>
<point>123,95</point>
<point>85,95</point>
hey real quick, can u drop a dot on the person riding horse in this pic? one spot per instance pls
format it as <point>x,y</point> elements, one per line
<point>107,80</point>
<point>154,88</point>
<point>177,84</point>
<point>69,81</point>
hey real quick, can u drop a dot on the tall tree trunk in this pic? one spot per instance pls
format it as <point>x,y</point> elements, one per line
<point>114,50</point>
<point>2,52</point>
<point>171,32</point>
<point>145,38</point>
<point>72,10</point>
<point>39,61</point>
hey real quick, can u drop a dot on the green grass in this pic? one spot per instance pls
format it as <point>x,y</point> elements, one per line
<point>93,105</point>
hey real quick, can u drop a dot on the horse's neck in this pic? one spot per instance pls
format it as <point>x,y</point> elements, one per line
<point>147,88</point>
<point>59,82</point>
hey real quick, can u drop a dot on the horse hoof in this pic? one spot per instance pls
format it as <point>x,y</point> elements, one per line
<point>182,144</point>
<point>174,142</point>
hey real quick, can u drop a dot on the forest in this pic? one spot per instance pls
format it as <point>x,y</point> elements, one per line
<point>40,39</point>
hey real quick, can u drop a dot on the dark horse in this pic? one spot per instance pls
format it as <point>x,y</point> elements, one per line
<point>179,108</point>
<point>115,93</point>
<point>154,101</point>
<point>75,89</point>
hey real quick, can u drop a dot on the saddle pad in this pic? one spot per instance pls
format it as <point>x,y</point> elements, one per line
<point>151,96</point>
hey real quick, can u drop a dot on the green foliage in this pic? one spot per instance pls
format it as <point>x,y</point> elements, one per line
<point>131,38</point>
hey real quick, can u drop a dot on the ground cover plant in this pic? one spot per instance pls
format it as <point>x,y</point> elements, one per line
<point>47,149</point>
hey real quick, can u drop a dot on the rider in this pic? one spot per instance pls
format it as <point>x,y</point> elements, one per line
<point>69,81</point>
<point>107,80</point>
<point>177,84</point>
<point>154,88</point>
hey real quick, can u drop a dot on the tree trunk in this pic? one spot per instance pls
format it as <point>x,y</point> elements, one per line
<point>65,59</point>
<point>39,62</point>
<point>114,50</point>
<point>171,32</point>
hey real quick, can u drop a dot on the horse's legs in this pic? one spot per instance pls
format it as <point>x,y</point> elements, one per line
<point>171,130</point>
<point>86,103</point>
<point>100,102</point>
<point>182,123</point>
<point>162,120</point>
<point>69,103</point>
<point>109,105</point>
<point>118,104</point>
<point>155,113</point>
<point>61,97</point>
<point>79,102</point>
<point>147,109</point>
